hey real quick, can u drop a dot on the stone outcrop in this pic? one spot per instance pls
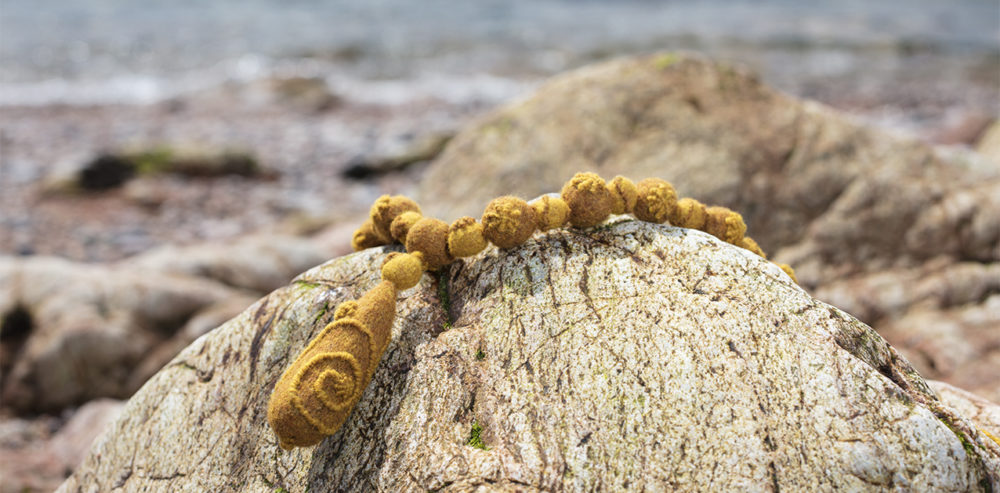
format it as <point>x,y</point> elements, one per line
<point>258,263</point>
<point>861,215</point>
<point>627,357</point>
<point>73,332</point>
<point>983,413</point>
<point>78,331</point>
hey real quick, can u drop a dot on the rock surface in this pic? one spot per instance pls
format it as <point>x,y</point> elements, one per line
<point>861,215</point>
<point>631,356</point>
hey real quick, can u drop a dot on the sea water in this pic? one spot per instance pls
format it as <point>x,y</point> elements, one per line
<point>124,51</point>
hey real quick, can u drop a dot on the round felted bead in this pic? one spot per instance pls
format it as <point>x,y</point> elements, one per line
<point>367,237</point>
<point>623,195</point>
<point>402,224</point>
<point>346,309</point>
<point>588,198</point>
<point>403,270</point>
<point>725,224</point>
<point>429,236</point>
<point>508,222</point>
<point>689,213</point>
<point>386,208</point>
<point>749,244</point>
<point>655,201</point>
<point>788,270</point>
<point>465,237</point>
<point>551,212</point>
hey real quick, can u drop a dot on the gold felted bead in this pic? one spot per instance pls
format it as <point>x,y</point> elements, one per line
<point>656,200</point>
<point>386,208</point>
<point>588,198</point>
<point>623,195</point>
<point>367,237</point>
<point>551,212</point>
<point>725,224</point>
<point>403,270</point>
<point>748,243</point>
<point>402,224</point>
<point>465,237</point>
<point>788,270</point>
<point>429,236</point>
<point>508,222</point>
<point>689,213</point>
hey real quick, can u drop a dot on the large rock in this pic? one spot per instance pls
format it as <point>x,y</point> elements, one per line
<point>633,356</point>
<point>259,263</point>
<point>861,215</point>
<point>73,332</point>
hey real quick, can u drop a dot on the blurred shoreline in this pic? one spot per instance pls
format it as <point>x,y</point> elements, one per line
<point>310,88</point>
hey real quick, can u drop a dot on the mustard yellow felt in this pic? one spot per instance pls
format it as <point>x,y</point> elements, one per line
<point>346,309</point>
<point>725,224</point>
<point>624,195</point>
<point>429,236</point>
<point>403,270</point>
<point>588,198</point>
<point>402,223</point>
<point>316,393</point>
<point>367,237</point>
<point>551,212</point>
<point>788,270</point>
<point>508,222</point>
<point>748,243</point>
<point>386,208</point>
<point>655,200</point>
<point>689,213</point>
<point>465,237</point>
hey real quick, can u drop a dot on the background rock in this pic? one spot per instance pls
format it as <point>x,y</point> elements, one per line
<point>198,325</point>
<point>33,458</point>
<point>83,328</point>
<point>112,169</point>
<point>985,414</point>
<point>72,332</point>
<point>632,356</point>
<point>259,263</point>
<point>74,439</point>
<point>421,150</point>
<point>861,215</point>
<point>306,94</point>
<point>989,142</point>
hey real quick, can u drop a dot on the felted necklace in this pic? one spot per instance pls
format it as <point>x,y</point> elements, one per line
<point>317,392</point>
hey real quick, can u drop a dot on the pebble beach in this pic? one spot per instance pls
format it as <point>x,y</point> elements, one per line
<point>379,78</point>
